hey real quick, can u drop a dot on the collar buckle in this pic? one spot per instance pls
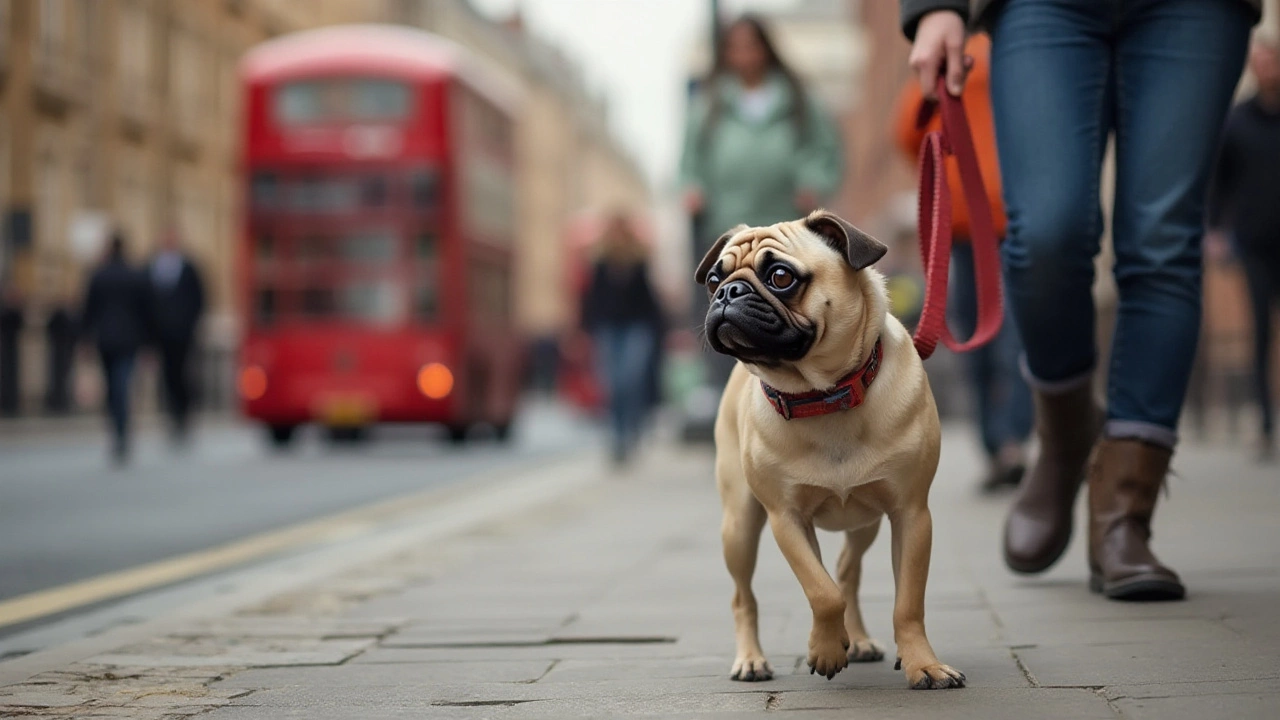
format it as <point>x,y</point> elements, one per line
<point>846,395</point>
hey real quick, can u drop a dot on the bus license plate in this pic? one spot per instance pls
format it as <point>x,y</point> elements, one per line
<point>347,412</point>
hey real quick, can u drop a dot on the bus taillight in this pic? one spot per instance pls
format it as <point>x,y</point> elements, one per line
<point>253,382</point>
<point>435,381</point>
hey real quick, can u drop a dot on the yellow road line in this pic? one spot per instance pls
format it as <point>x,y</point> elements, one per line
<point>162,572</point>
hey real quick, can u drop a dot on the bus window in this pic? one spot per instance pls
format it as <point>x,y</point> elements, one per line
<point>305,194</point>
<point>374,191</point>
<point>265,193</point>
<point>341,99</point>
<point>424,246</point>
<point>300,102</point>
<point>378,99</point>
<point>317,302</point>
<point>423,188</point>
<point>312,249</point>
<point>265,307</point>
<point>370,246</point>
<point>376,301</point>
<point>337,195</point>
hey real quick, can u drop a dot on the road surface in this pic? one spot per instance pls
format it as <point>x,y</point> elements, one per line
<point>66,515</point>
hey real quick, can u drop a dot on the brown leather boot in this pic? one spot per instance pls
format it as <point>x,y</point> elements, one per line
<point>1125,477</point>
<point>1038,529</point>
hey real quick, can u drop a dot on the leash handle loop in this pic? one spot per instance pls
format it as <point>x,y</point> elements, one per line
<point>934,229</point>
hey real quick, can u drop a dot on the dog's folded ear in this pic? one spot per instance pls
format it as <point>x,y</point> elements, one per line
<point>859,248</point>
<point>709,260</point>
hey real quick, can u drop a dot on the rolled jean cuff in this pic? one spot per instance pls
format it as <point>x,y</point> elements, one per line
<point>1139,430</point>
<point>1054,387</point>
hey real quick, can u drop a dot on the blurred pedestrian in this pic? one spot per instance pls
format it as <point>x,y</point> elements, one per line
<point>115,316</point>
<point>12,320</point>
<point>757,148</point>
<point>177,302</point>
<point>1245,203</point>
<point>1001,399</point>
<point>1066,74</point>
<point>60,342</point>
<point>621,311</point>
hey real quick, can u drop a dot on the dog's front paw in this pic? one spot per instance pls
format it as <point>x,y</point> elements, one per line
<point>934,676</point>
<point>828,655</point>
<point>865,650</point>
<point>751,668</point>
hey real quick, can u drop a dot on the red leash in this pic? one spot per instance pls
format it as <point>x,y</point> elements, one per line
<point>935,230</point>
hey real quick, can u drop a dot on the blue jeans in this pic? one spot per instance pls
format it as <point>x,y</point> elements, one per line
<point>117,370</point>
<point>1065,74</point>
<point>624,353</point>
<point>1001,397</point>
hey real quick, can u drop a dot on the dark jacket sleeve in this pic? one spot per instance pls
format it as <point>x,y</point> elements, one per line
<point>913,10</point>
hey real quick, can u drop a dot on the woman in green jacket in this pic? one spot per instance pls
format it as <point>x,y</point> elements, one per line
<point>757,149</point>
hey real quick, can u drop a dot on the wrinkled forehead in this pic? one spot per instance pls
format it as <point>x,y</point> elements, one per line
<point>748,246</point>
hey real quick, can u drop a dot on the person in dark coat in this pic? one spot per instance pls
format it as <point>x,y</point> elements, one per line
<point>11,322</point>
<point>622,314</point>
<point>1243,206</point>
<point>177,302</point>
<point>115,317</point>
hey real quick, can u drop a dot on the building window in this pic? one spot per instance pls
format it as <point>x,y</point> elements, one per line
<point>134,51</point>
<point>188,81</point>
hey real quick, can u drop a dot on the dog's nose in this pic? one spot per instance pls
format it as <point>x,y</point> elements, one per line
<point>733,290</point>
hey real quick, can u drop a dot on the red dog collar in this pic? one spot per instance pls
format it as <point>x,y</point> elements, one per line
<point>848,393</point>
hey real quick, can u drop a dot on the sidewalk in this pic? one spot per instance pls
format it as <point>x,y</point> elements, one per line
<point>577,592</point>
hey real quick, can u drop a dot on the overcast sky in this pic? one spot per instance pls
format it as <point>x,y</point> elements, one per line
<point>637,53</point>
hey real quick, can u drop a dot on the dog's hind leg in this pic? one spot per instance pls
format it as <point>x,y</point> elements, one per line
<point>740,530</point>
<point>849,573</point>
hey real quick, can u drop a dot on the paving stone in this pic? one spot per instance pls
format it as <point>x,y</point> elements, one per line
<point>444,672</point>
<point>246,652</point>
<point>681,667</point>
<point>1203,687</point>
<point>466,636</point>
<point>497,652</point>
<point>19,696</point>
<point>1169,662</point>
<point>955,704</point>
<point>1195,632</point>
<point>1199,707</point>
<point>289,626</point>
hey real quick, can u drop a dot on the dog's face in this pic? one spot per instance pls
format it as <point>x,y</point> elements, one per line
<point>787,292</point>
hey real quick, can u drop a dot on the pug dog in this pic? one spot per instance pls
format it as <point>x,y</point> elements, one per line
<point>827,421</point>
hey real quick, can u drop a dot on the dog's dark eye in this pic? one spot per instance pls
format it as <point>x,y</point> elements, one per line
<point>713,282</point>
<point>781,278</point>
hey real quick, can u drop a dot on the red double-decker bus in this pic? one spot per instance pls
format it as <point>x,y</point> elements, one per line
<point>380,219</point>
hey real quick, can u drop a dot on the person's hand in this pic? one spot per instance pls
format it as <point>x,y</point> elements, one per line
<point>694,201</point>
<point>939,43</point>
<point>806,201</point>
